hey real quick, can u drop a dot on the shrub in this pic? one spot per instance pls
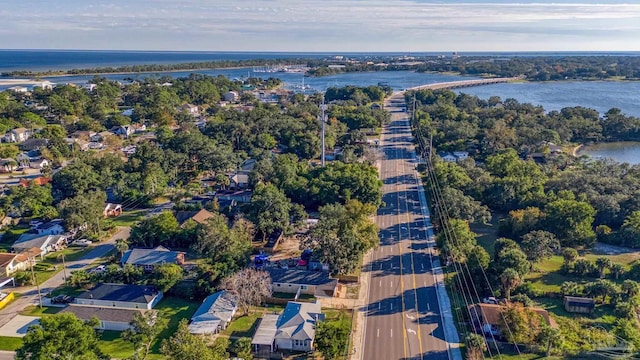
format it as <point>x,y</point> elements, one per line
<point>24,278</point>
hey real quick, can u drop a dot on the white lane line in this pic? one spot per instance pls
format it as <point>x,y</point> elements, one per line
<point>380,305</point>
<point>391,332</point>
<point>422,265</point>
<point>391,283</point>
<point>428,307</point>
<point>391,306</point>
<point>378,334</point>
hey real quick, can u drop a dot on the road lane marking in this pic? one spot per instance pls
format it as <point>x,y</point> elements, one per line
<point>411,317</point>
<point>411,331</point>
<point>428,306</point>
<point>391,332</point>
<point>422,265</point>
<point>391,306</point>
<point>378,334</point>
<point>391,283</point>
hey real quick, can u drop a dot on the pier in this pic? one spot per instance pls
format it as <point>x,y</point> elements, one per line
<point>465,83</point>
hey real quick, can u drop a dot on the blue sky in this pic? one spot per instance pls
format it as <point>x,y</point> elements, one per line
<point>322,25</point>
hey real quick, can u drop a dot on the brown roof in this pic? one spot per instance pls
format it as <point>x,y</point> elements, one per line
<point>40,180</point>
<point>491,313</point>
<point>6,258</point>
<point>24,255</point>
<point>104,314</point>
<point>198,216</point>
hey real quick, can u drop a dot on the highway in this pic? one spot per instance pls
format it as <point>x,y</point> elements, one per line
<point>403,318</point>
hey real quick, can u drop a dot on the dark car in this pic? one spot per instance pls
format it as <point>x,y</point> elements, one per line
<point>62,299</point>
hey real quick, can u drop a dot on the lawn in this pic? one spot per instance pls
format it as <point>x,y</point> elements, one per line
<point>243,326</point>
<point>11,235</point>
<point>70,254</point>
<point>129,217</point>
<point>112,345</point>
<point>33,310</point>
<point>10,343</point>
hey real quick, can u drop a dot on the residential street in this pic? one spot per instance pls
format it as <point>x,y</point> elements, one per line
<point>30,294</point>
<point>407,302</point>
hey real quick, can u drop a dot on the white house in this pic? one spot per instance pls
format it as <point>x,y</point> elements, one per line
<point>39,163</point>
<point>53,227</point>
<point>449,157</point>
<point>120,296</point>
<point>296,327</point>
<point>46,243</point>
<point>19,89</point>
<point>190,109</point>
<point>231,96</point>
<point>45,85</point>
<point>17,135</point>
<point>215,313</point>
<point>461,155</point>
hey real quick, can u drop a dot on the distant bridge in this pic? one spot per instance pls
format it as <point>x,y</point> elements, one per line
<point>465,83</point>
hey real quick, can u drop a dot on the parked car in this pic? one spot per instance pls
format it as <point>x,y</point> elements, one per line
<point>99,269</point>
<point>81,243</point>
<point>62,299</point>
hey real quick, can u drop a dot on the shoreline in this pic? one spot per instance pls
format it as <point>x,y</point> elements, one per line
<point>577,149</point>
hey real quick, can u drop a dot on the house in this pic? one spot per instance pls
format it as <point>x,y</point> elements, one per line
<point>89,87</point>
<point>40,180</point>
<point>199,216</point>
<point>124,130</point>
<point>448,157</point>
<point>486,318</point>
<point>149,258</point>
<point>296,326</point>
<point>215,313</point>
<point>45,243</point>
<point>461,155</point>
<point>19,89</point>
<point>127,112</point>
<point>232,96</point>
<point>10,263</point>
<point>241,196</point>
<point>101,136</point>
<point>30,145</point>
<point>112,210</point>
<point>17,135</point>
<point>120,296</point>
<point>39,163</point>
<point>190,109</point>
<point>23,159</point>
<point>45,85</point>
<point>110,318</point>
<point>579,305</point>
<point>53,227</point>
<point>239,180</point>
<point>316,283</point>
<point>248,165</point>
<point>8,165</point>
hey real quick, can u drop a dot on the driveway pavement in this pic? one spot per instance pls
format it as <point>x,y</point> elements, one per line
<point>30,294</point>
<point>7,355</point>
<point>17,327</point>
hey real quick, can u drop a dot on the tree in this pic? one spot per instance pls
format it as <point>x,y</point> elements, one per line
<point>186,346</point>
<point>73,180</point>
<point>156,230</point>
<point>571,221</point>
<point>603,263</point>
<point>167,275</point>
<point>78,279</point>
<point>461,206</point>
<point>519,324</point>
<point>601,288</point>
<point>510,278</point>
<point>122,246</point>
<point>630,288</point>
<point>617,269</point>
<point>9,151</point>
<point>143,333</point>
<point>584,267</point>
<point>332,337</point>
<point>570,288</point>
<point>464,243</point>
<point>83,210</point>
<point>515,259</point>
<point>222,244</point>
<point>476,346</point>
<point>250,286</point>
<point>342,235</point>
<point>569,255</point>
<point>269,209</point>
<point>539,245</point>
<point>242,348</point>
<point>549,337</point>
<point>61,336</point>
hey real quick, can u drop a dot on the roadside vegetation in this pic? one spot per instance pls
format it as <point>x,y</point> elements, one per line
<point>543,220</point>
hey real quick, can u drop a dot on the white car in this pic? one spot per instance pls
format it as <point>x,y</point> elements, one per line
<point>81,243</point>
<point>99,269</point>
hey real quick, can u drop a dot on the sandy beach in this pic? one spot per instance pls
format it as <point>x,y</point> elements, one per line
<point>11,82</point>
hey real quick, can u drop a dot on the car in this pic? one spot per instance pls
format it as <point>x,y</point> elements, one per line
<point>81,243</point>
<point>62,299</point>
<point>99,269</point>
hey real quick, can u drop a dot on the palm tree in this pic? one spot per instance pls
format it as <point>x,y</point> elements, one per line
<point>510,278</point>
<point>630,288</point>
<point>602,263</point>
<point>617,269</point>
<point>121,246</point>
<point>569,255</point>
<point>476,346</point>
<point>549,336</point>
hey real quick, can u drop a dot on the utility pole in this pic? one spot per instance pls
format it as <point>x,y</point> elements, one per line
<point>323,107</point>
<point>64,267</point>
<point>33,275</point>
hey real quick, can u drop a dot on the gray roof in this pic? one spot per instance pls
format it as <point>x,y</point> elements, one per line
<point>214,310</point>
<point>103,314</point>
<point>298,321</point>
<point>37,241</point>
<point>299,277</point>
<point>266,332</point>
<point>120,292</point>
<point>159,255</point>
<point>50,224</point>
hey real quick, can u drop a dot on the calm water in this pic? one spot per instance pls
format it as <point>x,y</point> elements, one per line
<point>627,151</point>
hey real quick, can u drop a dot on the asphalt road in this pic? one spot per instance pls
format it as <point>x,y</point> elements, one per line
<point>7,355</point>
<point>403,319</point>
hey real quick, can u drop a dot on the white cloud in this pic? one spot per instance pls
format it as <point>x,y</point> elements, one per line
<point>316,25</point>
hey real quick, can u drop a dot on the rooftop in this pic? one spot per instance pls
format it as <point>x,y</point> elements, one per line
<point>266,331</point>
<point>298,320</point>
<point>158,255</point>
<point>301,277</point>
<point>199,216</point>
<point>214,309</point>
<point>121,292</point>
<point>104,314</point>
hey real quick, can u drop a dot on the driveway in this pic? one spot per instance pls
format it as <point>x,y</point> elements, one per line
<point>7,355</point>
<point>18,326</point>
<point>30,294</point>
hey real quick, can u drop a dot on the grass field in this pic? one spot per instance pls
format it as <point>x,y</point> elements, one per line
<point>10,343</point>
<point>112,345</point>
<point>129,217</point>
<point>243,326</point>
<point>33,310</point>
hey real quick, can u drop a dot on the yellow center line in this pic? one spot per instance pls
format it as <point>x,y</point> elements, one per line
<point>413,269</point>
<point>404,325</point>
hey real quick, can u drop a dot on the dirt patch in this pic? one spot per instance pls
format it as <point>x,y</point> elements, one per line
<point>288,248</point>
